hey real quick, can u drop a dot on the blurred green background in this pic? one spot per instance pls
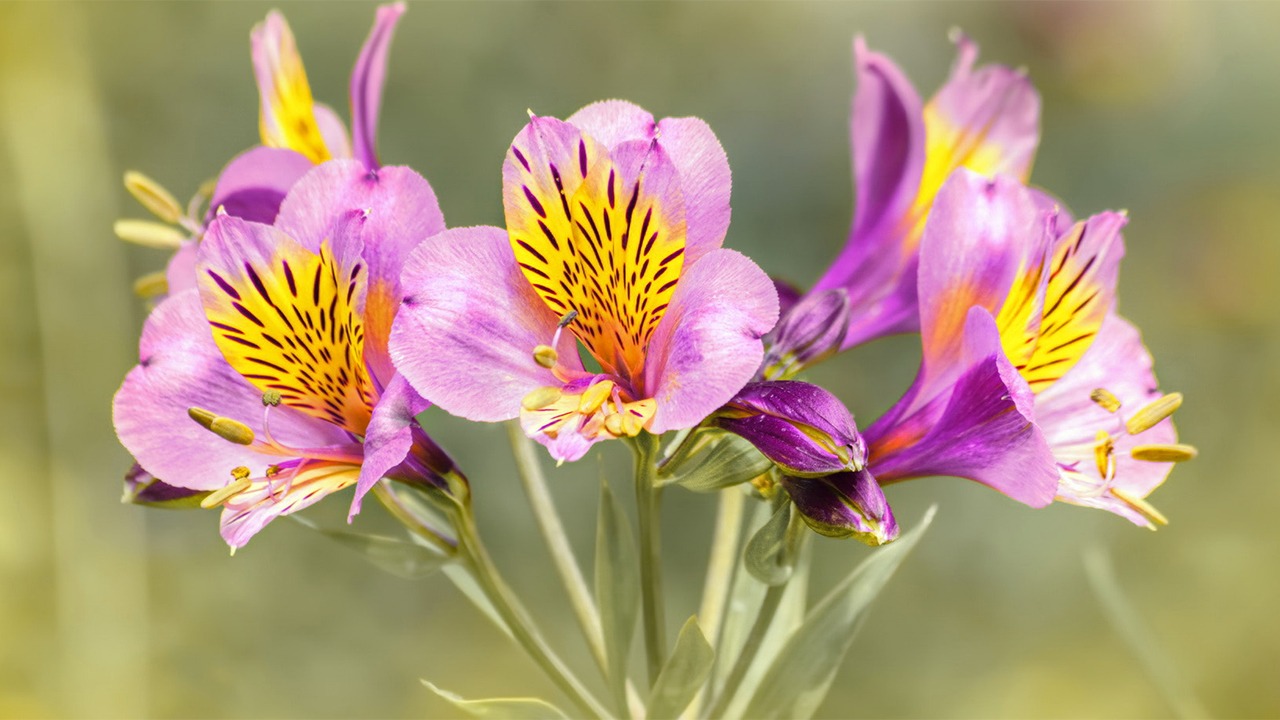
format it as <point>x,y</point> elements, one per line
<point>1169,110</point>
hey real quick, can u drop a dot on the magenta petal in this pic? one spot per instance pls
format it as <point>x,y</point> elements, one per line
<point>981,430</point>
<point>708,344</point>
<point>333,130</point>
<point>980,234</point>
<point>997,104</point>
<point>888,138</point>
<point>389,437</point>
<point>254,183</point>
<point>180,367</point>
<point>468,324</point>
<point>367,80</point>
<point>180,273</point>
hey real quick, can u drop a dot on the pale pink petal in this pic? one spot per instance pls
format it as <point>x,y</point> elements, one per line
<point>367,80</point>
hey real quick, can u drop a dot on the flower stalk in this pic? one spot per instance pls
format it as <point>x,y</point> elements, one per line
<point>648,504</point>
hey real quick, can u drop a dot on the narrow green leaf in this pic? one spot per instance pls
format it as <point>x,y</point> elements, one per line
<point>683,674</point>
<point>801,674</point>
<point>745,596</point>
<point>617,588</point>
<point>770,553</point>
<point>501,708</point>
<point>722,461</point>
<point>400,557</point>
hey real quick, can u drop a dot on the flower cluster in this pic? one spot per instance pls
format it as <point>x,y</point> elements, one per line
<point>317,303</point>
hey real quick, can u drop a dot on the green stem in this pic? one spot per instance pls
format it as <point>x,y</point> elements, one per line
<point>473,553</point>
<point>715,590</point>
<point>544,512</point>
<point>764,619</point>
<point>648,506</point>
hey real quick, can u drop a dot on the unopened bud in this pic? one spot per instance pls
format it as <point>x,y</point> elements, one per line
<point>1153,412</point>
<point>842,505</point>
<point>546,356</point>
<point>811,331</point>
<point>802,428</point>
<point>149,233</point>
<point>152,196</point>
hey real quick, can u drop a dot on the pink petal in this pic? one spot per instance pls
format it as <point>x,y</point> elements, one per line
<point>708,345</point>
<point>468,325</point>
<point>389,437</point>
<point>367,80</point>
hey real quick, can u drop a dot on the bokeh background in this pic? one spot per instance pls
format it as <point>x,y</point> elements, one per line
<point>1168,110</point>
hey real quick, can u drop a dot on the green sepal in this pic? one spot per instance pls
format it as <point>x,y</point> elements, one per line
<point>714,460</point>
<point>770,555</point>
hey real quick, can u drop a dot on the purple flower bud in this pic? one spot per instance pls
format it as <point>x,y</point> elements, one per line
<point>811,330</point>
<point>847,504</point>
<point>143,488</point>
<point>802,428</point>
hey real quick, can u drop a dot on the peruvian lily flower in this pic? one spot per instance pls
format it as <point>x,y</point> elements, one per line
<point>984,119</point>
<point>297,133</point>
<point>1019,351</point>
<point>269,386</point>
<point>614,227</point>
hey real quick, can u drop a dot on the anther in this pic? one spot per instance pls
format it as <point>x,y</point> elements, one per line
<point>546,356</point>
<point>221,495</point>
<point>149,233</point>
<point>273,470</point>
<point>151,285</point>
<point>240,472</point>
<point>271,398</point>
<point>541,398</point>
<point>594,397</point>
<point>202,416</point>
<point>1105,399</point>
<point>232,430</point>
<point>1164,453</point>
<point>631,425</point>
<point>614,425</point>
<point>1141,506</point>
<point>152,196</point>
<point>1155,411</point>
<point>567,318</point>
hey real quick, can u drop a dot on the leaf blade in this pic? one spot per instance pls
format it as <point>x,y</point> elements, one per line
<point>683,674</point>
<point>516,708</point>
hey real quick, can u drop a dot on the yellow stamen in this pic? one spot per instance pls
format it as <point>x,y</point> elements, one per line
<point>271,398</point>
<point>151,285</point>
<point>1105,399</point>
<point>1102,452</point>
<point>149,233</point>
<point>202,416</point>
<point>546,356</point>
<point>631,425</point>
<point>594,397</point>
<point>216,498</point>
<point>1141,506</point>
<point>1153,413</point>
<point>152,196</point>
<point>273,470</point>
<point>232,430</point>
<point>614,424</point>
<point>540,398</point>
<point>1164,453</point>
